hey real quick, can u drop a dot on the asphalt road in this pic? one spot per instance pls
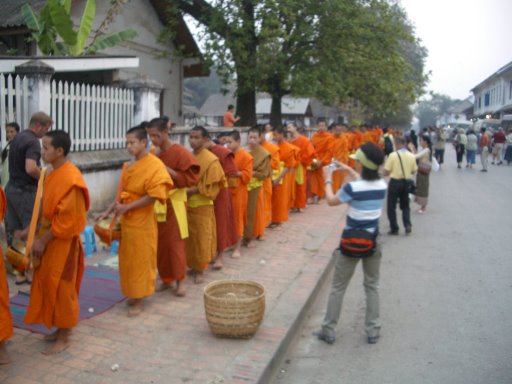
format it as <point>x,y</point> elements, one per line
<point>446,295</point>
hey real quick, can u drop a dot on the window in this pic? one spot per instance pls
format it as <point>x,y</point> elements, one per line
<point>510,90</point>
<point>487,99</point>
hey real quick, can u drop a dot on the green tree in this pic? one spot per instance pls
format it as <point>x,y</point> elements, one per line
<point>431,109</point>
<point>54,33</point>
<point>335,50</point>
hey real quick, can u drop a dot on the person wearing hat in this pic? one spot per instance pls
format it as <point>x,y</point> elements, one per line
<point>364,192</point>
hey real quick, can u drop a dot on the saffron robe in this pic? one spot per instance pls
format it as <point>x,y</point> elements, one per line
<point>227,234</point>
<point>5,310</point>
<point>56,282</point>
<point>307,154</point>
<point>322,141</point>
<point>202,239</point>
<point>261,171</point>
<point>239,193</point>
<point>139,230</point>
<point>264,206</point>
<point>281,192</point>
<point>340,153</point>
<point>171,256</point>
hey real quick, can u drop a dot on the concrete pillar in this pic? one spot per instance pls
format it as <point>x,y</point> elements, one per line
<point>39,76</point>
<point>147,95</point>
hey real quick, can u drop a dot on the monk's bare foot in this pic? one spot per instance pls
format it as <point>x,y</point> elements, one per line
<point>51,336</point>
<point>136,308</point>
<point>61,343</point>
<point>217,264</point>
<point>180,289</point>
<point>130,302</point>
<point>4,357</point>
<point>198,278</point>
<point>236,254</point>
<point>260,238</point>
<point>275,226</point>
<point>162,286</point>
<point>249,243</point>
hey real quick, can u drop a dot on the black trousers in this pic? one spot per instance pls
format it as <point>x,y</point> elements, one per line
<point>397,191</point>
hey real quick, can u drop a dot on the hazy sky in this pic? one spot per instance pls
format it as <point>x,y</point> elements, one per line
<point>467,40</point>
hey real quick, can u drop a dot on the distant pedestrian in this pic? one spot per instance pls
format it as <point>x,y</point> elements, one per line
<point>229,116</point>
<point>484,149</point>
<point>471,148</point>
<point>460,143</point>
<point>365,197</point>
<point>498,142</point>
<point>508,152</point>
<point>440,146</point>
<point>424,158</point>
<point>400,166</point>
<point>11,130</point>
<point>414,139</point>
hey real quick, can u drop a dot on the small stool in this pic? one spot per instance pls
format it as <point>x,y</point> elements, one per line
<point>89,240</point>
<point>114,247</point>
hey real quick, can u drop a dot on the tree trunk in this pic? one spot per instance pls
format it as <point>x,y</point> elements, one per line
<point>276,119</point>
<point>245,104</point>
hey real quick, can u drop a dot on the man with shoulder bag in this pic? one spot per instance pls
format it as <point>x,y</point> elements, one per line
<point>400,166</point>
<point>364,192</point>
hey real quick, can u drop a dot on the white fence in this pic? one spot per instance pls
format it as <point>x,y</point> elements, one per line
<point>96,117</point>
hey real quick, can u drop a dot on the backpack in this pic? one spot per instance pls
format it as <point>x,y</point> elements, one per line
<point>388,145</point>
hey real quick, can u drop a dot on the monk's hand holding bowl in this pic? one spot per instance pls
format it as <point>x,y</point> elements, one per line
<point>39,247</point>
<point>121,209</point>
<point>21,234</point>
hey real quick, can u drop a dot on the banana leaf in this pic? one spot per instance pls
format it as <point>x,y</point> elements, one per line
<point>85,28</point>
<point>110,40</point>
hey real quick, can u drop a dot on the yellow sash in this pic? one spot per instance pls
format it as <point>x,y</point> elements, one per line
<point>199,200</point>
<point>299,175</point>
<point>178,199</point>
<point>254,183</point>
<point>277,172</point>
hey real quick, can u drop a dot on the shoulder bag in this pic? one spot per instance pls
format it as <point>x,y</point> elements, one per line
<point>409,183</point>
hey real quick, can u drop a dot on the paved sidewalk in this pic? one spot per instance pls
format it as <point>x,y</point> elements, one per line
<point>171,342</point>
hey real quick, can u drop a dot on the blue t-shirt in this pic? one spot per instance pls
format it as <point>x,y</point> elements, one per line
<point>365,200</point>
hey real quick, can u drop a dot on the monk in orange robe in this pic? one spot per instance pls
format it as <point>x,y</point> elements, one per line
<point>173,228</point>
<point>306,155</point>
<point>202,239</point>
<point>264,206</point>
<point>261,171</point>
<point>144,181</point>
<point>57,251</point>
<point>322,141</point>
<point>227,234</point>
<point>296,158</point>
<point>340,153</point>
<point>238,189</point>
<point>5,310</point>
<point>284,182</point>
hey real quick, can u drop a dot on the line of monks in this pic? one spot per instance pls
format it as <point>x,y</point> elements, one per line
<point>182,210</point>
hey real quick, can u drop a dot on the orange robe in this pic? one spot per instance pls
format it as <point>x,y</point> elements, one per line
<point>281,192</point>
<point>227,235</point>
<point>56,282</point>
<point>264,205</point>
<point>171,256</point>
<point>322,141</point>
<point>307,154</point>
<point>5,310</point>
<point>261,171</point>
<point>296,156</point>
<point>202,235</point>
<point>239,194</point>
<point>340,153</point>
<point>139,230</point>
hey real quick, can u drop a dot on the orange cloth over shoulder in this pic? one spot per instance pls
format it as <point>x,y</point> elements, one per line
<point>323,143</point>
<point>239,194</point>
<point>56,282</point>
<point>5,310</point>
<point>307,154</point>
<point>340,153</point>
<point>139,231</point>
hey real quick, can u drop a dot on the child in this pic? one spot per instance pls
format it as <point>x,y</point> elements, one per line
<point>56,281</point>
<point>144,180</point>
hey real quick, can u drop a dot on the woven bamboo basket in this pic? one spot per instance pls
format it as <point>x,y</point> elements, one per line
<point>234,308</point>
<point>106,231</point>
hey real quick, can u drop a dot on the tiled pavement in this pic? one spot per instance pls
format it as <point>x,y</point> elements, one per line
<point>171,342</point>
